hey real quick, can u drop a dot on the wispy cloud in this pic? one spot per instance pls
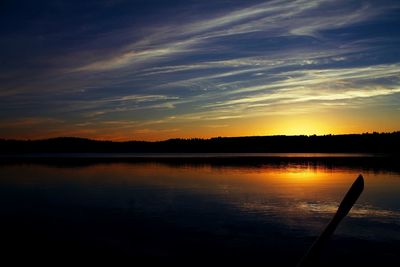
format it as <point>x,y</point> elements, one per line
<point>212,66</point>
<point>275,18</point>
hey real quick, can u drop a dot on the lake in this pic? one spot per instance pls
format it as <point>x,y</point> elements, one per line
<point>211,210</point>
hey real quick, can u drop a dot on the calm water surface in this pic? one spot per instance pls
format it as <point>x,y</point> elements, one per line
<point>195,214</point>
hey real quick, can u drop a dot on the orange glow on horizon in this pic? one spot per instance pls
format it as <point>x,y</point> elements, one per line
<point>305,124</point>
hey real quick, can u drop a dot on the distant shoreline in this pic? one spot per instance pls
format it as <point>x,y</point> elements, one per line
<point>372,143</point>
<point>90,155</point>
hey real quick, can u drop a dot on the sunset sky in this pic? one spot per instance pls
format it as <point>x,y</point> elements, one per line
<point>153,70</point>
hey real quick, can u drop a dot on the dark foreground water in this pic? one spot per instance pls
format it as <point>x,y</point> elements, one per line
<point>195,213</point>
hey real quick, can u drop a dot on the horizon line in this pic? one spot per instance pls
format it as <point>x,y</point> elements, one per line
<point>196,138</point>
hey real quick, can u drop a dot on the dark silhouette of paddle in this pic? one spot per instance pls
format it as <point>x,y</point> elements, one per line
<point>312,256</point>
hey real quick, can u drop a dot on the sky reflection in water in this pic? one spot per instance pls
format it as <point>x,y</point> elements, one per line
<point>268,206</point>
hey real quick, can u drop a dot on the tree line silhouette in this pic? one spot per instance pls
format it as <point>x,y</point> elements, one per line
<point>349,143</point>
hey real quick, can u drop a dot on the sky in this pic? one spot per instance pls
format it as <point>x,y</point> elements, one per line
<point>154,70</point>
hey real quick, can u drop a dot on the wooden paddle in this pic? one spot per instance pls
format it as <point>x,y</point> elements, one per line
<point>312,256</point>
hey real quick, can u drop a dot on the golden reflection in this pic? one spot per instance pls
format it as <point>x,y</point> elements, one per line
<point>301,174</point>
<point>293,192</point>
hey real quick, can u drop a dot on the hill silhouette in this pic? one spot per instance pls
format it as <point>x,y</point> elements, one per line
<point>349,143</point>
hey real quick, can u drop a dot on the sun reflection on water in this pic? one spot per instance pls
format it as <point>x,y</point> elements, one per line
<point>296,195</point>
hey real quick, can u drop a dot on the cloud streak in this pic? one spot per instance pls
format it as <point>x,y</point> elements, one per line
<point>275,18</point>
<point>217,65</point>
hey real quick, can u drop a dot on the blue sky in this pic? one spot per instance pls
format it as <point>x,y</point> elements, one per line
<point>154,70</point>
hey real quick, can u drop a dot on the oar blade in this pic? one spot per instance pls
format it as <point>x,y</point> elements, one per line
<point>351,197</point>
<point>312,256</point>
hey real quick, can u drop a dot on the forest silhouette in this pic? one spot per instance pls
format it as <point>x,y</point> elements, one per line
<point>349,143</point>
